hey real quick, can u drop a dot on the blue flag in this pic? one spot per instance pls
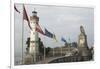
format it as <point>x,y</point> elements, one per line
<point>49,34</point>
<point>62,39</point>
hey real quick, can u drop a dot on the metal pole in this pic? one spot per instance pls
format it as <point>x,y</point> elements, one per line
<point>53,52</point>
<point>44,51</point>
<point>61,51</point>
<point>35,55</point>
<point>22,35</point>
<point>35,46</point>
<point>44,54</point>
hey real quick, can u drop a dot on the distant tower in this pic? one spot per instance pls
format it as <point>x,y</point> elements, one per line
<point>82,43</point>
<point>33,48</point>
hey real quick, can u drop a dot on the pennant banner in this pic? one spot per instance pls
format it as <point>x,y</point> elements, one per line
<point>62,39</point>
<point>55,38</point>
<point>38,29</point>
<point>25,16</point>
<point>49,34</point>
<point>16,9</point>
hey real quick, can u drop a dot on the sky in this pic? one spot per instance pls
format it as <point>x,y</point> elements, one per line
<point>63,21</point>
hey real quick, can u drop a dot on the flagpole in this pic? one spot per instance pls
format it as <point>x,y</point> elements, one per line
<point>22,36</point>
<point>61,51</point>
<point>70,44</point>
<point>53,48</point>
<point>53,52</point>
<point>44,52</point>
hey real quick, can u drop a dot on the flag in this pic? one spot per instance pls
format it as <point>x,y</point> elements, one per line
<point>49,34</point>
<point>16,9</point>
<point>25,16</point>
<point>55,38</point>
<point>38,29</point>
<point>62,39</point>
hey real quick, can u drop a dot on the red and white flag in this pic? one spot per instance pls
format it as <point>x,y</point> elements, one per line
<point>25,16</point>
<point>38,29</point>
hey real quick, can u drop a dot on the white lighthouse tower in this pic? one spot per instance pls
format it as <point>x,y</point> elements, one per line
<point>33,48</point>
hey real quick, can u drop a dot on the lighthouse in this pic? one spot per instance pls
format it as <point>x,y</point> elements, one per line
<point>33,48</point>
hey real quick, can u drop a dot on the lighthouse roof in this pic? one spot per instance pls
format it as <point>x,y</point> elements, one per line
<point>34,12</point>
